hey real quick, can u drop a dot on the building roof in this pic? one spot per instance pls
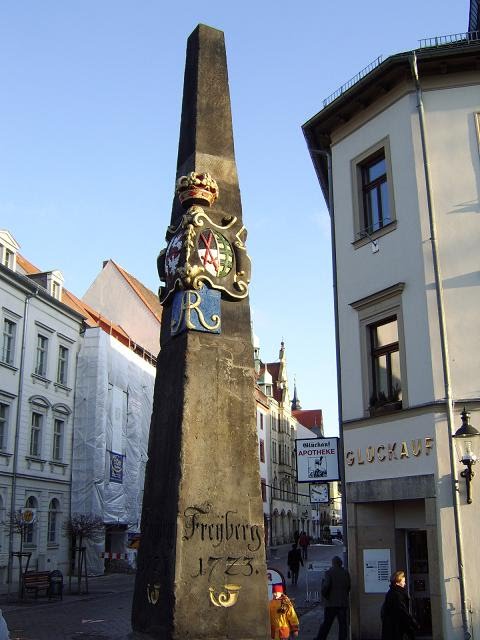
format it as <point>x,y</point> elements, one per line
<point>273,368</point>
<point>380,82</point>
<point>309,417</point>
<point>92,317</point>
<point>148,297</point>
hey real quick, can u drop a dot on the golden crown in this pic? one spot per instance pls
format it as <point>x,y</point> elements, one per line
<point>197,188</point>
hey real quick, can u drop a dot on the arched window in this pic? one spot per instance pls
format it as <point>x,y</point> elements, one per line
<point>29,529</point>
<point>275,487</point>
<point>53,513</point>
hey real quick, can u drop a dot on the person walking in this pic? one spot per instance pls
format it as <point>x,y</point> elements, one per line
<point>397,621</point>
<point>294,561</point>
<point>304,541</point>
<point>283,618</point>
<point>335,591</point>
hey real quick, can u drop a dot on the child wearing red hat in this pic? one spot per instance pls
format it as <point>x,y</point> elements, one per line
<point>283,619</point>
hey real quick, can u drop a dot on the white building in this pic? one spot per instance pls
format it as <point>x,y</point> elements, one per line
<point>397,156</point>
<point>286,504</point>
<point>39,346</point>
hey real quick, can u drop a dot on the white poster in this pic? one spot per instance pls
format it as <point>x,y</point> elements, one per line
<point>317,459</point>
<point>376,570</point>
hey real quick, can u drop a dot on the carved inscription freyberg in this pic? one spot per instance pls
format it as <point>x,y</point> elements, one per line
<point>239,541</point>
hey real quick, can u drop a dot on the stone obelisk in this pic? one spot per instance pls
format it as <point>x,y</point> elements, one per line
<point>201,563</point>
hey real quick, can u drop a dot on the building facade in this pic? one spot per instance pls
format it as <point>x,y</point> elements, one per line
<point>397,156</point>
<point>40,340</point>
<point>286,503</point>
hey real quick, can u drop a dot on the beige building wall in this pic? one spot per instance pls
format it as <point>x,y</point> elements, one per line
<point>378,514</point>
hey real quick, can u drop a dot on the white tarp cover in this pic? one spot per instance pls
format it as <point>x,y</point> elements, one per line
<point>113,407</point>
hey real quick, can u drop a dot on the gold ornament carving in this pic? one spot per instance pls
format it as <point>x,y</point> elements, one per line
<point>197,187</point>
<point>181,266</point>
<point>226,598</point>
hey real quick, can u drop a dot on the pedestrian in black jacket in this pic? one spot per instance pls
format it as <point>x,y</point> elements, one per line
<point>294,561</point>
<point>397,621</point>
<point>335,591</point>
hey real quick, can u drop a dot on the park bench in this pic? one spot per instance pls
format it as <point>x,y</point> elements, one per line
<point>36,581</point>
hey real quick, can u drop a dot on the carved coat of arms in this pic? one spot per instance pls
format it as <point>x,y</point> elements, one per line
<point>206,249</point>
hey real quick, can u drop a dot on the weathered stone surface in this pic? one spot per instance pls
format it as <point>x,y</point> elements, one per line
<point>202,541</point>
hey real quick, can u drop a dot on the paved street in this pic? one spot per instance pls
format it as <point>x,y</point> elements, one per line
<point>104,613</point>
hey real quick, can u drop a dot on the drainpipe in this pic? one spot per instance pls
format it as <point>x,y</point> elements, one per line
<point>17,436</point>
<point>443,343</point>
<point>341,465</point>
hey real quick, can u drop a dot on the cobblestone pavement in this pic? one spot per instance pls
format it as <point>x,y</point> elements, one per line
<point>104,613</point>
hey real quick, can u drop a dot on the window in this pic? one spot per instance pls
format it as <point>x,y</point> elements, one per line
<point>264,489</point>
<point>385,362</point>
<point>8,258</point>
<point>261,421</point>
<point>262,451</point>
<point>62,368</point>
<point>56,290</point>
<point>274,451</point>
<point>382,352</point>
<point>41,362</point>
<point>29,520</point>
<point>8,345</point>
<point>376,211</point>
<point>58,431</point>
<point>373,203</point>
<point>4,413</point>
<point>53,511</point>
<point>36,434</point>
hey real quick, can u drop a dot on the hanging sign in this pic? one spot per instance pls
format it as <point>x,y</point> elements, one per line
<point>116,467</point>
<point>317,459</point>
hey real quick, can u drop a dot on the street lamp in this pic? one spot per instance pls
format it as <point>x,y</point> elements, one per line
<point>466,444</point>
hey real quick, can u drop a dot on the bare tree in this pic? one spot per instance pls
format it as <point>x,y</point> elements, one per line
<point>16,523</point>
<point>81,527</point>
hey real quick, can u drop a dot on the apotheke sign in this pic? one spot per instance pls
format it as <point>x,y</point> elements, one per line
<point>317,459</point>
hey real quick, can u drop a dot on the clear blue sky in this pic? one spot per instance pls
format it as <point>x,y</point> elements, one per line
<point>89,121</point>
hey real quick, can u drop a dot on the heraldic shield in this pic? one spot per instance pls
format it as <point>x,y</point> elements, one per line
<point>205,249</point>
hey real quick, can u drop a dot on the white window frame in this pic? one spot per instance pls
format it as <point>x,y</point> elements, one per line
<point>41,357</point>
<point>36,432</point>
<point>13,319</point>
<point>30,531</point>
<point>62,365</point>
<point>8,259</point>
<point>371,310</point>
<point>54,510</point>
<point>5,408</point>
<point>8,352</point>
<point>58,439</point>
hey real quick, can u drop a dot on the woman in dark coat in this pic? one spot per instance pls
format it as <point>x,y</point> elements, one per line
<point>397,621</point>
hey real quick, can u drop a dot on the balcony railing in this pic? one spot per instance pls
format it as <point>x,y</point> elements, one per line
<point>366,70</point>
<point>437,41</point>
<point>452,38</point>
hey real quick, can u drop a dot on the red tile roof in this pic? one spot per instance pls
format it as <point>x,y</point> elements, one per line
<point>309,417</point>
<point>148,297</point>
<point>92,317</point>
